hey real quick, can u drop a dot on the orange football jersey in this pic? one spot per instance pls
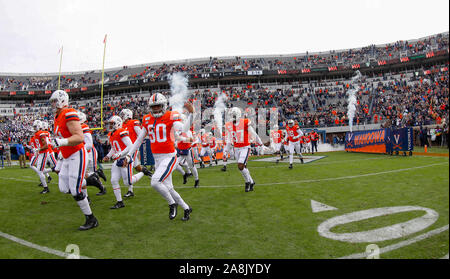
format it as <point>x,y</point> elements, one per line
<point>129,126</point>
<point>276,136</point>
<point>60,130</point>
<point>292,132</point>
<point>115,139</point>
<point>239,133</point>
<point>160,131</point>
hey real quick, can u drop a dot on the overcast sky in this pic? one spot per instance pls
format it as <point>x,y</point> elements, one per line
<point>139,32</point>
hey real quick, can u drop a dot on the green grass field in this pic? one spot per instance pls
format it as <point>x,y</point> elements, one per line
<point>275,221</point>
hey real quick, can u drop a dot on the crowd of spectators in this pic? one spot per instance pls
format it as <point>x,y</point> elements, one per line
<point>158,72</point>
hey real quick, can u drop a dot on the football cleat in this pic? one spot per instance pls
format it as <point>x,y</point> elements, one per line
<point>129,194</point>
<point>101,174</point>
<point>119,204</point>
<point>40,185</point>
<point>45,191</point>
<point>91,222</point>
<point>224,168</point>
<point>187,213</point>
<point>290,166</point>
<point>278,160</point>
<point>185,176</point>
<point>102,191</point>
<point>49,178</point>
<point>247,186</point>
<point>301,159</point>
<point>196,183</point>
<point>251,186</point>
<point>173,210</point>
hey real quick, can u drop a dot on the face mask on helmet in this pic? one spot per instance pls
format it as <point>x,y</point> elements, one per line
<point>126,114</point>
<point>113,123</point>
<point>36,125</point>
<point>291,123</point>
<point>59,99</point>
<point>158,105</point>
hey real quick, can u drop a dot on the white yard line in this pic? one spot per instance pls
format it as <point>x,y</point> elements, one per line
<point>37,247</point>
<point>287,182</point>
<point>400,244</point>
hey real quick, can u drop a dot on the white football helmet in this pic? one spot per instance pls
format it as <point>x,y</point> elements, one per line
<point>59,99</point>
<point>37,125</point>
<point>82,116</point>
<point>44,125</point>
<point>291,123</point>
<point>235,114</point>
<point>114,123</point>
<point>158,99</point>
<point>126,114</point>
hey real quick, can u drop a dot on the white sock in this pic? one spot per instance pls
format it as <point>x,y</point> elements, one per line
<point>46,171</point>
<point>163,191</point>
<point>250,179</point>
<point>291,158</point>
<point>42,178</point>
<point>117,192</point>
<point>195,172</point>
<point>135,178</point>
<point>180,169</point>
<point>35,169</point>
<point>84,205</point>
<point>178,199</point>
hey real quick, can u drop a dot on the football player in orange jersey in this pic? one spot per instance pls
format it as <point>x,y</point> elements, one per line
<point>184,152</point>
<point>51,153</point>
<point>133,126</point>
<point>92,178</point>
<point>238,132</point>
<point>293,135</point>
<point>69,139</point>
<point>42,139</point>
<point>161,125</point>
<point>120,142</point>
<point>227,150</point>
<point>34,146</point>
<point>204,147</point>
<point>276,136</point>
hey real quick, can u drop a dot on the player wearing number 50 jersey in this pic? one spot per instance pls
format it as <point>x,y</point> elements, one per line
<point>238,132</point>
<point>161,125</point>
<point>69,139</point>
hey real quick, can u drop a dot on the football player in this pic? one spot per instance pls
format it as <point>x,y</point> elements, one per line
<point>120,142</point>
<point>69,139</point>
<point>133,126</point>
<point>276,136</point>
<point>184,150</point>
<point>238,132</point>
<point>293,134</point>
<point>204,148</point>
<point>161,125</point>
